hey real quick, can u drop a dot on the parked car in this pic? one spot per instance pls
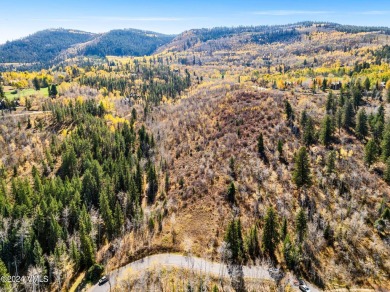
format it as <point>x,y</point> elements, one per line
<point>103,280</point>
<point>302,286</point>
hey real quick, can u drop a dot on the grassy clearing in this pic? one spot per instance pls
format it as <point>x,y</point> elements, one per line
<point>14,93</point>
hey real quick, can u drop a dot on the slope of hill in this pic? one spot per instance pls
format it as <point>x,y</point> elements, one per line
<point>42,46</point>
<point>49,47</point>
<point>127,42</point>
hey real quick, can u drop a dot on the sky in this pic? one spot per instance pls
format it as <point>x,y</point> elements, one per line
<point>19,18</point>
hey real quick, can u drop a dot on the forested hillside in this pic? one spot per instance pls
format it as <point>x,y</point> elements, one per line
<point>41,47</point>
<point>243,146</point>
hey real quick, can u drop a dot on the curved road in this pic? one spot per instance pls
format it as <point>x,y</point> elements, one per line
<point>181,261</point>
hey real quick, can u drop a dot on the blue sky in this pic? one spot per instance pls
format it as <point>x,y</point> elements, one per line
<point>19,18</point>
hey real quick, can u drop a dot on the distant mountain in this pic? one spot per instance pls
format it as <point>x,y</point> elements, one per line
<point>234,37</point>
<point>50,46</point>
<point>127,42</point>
<point>42,46</point>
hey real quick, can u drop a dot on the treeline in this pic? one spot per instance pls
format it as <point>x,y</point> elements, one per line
<point>49,223</point>
<point>276,36</point>
<point>382,54</point>
<point>170,83</point>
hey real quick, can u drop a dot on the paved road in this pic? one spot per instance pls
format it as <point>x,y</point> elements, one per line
<point>179,261</point>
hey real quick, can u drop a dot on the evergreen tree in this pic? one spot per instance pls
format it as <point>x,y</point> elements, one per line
<point>367,84</point>
<point>6,285</point>
<point>303,119</point>
<point>348,115</point>
<point>270,237</point>
<point>385,144</point>
<point>328,234</point>
<point>356,96</point>
<point>233,238</point>
<point>386,175</point>
<point>75,255</point>
<point>87,248</point>
<point>301,174</point>
<point>370,153</point>
<point>152,184</point>
<point>2,94</point>
<point>231,193</point>
<point>308,136</point>
<point>36,84</point>
<point>339,119</point>
<point>252,243</point>
<point>301,225</point>
<point>326,133</point>
<point>280,148</point>
<point>290,253</point>
<point>288,111</point>
<point>361,128</point>
<point>330,162</point>
<point>232,168</point>
<point>324,84</point>
<point>39,259</point>
<point>330,104</point>
<point>284,231</point>
<point>53,90</point>
<point>260,145</point>
<point>106,212</point>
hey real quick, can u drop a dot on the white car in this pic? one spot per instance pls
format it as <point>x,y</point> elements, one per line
<point>304,288</point>
<point>103,280</point>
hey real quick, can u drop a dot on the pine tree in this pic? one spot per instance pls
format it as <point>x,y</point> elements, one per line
<point>36,84</point>
<point>330,104</point>
<point>303,119</point>
<point>231,193</point>
<point>289,111</point>
<point>284,231</point>
<point>301,224</point>
<point>324,84</point>
<point>326,133</point>
<point>232,168</point>
<point>6,285</point>
<point>348,115</point>
<point>233,238</point>
<point>270,237</point>
<point>260,145</point>
<point>330,162</point>
<point>370,153</point>
<point>252,243</point>
<point>39,260</point>
<point>280,148</point>
<point>2,94</point>
<point>308,135</point>
<point>106,212</point>
<point>53,90</point>
<point>87,248</point>
<point>385,144</point>
<point>339,119</point>
<point>152,184</point>
<point>356,96</point>
<point>301,174</point>
<point>290,253</point>
<point>361,128</point>
<point>386,175</point>
<point>367,84</point>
